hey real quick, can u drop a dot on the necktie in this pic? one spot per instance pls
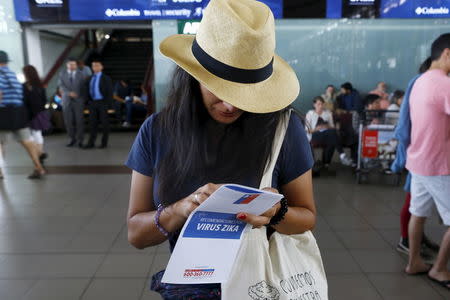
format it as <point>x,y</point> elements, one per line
<point>93,86</point>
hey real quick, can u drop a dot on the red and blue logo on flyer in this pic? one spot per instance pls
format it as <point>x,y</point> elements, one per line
<point>246,199</point>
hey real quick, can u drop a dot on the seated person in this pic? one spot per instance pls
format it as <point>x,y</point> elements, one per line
<point>371,114</point>
<point>57,100</point>
<point>122,90</point>
<point>380,91</point>
<point>349,98</point>
<point>397,99</point>
<point>330,97</point>
<point>135,106</point>
<point>322,132</point>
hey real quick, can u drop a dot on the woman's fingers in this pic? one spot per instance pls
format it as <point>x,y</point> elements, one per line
<point>209,188</point>
<point>204,192</point>
<point>199,197</point>
<point>256,221</point>
<point>270,189</point>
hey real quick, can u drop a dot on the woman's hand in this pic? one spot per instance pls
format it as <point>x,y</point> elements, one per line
<point>264,219</point>
<point>187,205</point>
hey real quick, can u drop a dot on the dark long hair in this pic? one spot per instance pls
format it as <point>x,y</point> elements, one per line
<point>425,65</point>
<point>200,146</point>
<point>32,77</point>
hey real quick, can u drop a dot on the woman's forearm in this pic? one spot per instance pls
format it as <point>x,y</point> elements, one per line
<point>143,232</point>
<point>297,220</point>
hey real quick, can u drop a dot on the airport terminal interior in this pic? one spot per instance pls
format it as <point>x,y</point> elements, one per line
<point>63,207</point>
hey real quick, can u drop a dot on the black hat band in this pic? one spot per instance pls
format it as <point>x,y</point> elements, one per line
<point>230,73</point>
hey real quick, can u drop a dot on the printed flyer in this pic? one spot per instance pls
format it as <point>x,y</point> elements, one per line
<point>211,237</point>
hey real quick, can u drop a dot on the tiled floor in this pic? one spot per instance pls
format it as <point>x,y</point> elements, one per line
<point>65,237</point>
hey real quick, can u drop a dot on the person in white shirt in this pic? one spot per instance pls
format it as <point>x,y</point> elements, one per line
<point>321,132</point>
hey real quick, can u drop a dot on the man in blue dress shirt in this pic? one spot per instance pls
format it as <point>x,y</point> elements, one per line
<point>99,96</point>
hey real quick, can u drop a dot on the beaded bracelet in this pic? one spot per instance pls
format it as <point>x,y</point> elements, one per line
<point>158,225</point>
<point>280,214</point>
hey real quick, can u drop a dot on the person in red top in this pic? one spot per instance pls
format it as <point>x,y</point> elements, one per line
<point>428,159</point>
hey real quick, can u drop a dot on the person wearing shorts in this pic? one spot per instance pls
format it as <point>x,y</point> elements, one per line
<point>428,160</point>
<point>19,135</point>
<point>24,137</point>
<point>429,193</point>
<point>11,94</point>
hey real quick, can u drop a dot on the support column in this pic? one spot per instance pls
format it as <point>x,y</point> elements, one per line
<point>33,49</point>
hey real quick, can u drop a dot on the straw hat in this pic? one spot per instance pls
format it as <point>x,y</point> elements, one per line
<point>233,56</point>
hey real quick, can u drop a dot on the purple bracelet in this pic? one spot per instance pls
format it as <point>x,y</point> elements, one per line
<point>158,225</point>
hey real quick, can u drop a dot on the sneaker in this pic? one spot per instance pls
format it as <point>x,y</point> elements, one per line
<point>126,125</point>
<point>403,246</point>
<point>387,171</point>
<point>345,160</point>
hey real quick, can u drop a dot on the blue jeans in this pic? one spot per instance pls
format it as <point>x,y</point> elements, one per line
<point>134,109</point>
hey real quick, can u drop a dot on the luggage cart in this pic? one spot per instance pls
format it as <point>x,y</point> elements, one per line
<point>377,146</point>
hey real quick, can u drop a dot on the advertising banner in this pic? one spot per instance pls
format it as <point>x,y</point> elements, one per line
<point>116,10</point>
<point>411,9</point>
<point>415,9</point>
<point>370,144</point>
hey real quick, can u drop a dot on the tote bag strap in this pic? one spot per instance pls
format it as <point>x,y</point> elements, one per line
<point>266,180</point>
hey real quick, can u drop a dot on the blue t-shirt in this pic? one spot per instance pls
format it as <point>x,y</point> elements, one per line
<point>149,148</point>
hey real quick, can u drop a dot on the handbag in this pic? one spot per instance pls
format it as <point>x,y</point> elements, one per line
<point>41,121</point>
<point>282,268</point>
<point>12,117</point>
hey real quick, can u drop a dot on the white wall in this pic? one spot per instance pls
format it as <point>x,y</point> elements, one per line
<point>10,35</point>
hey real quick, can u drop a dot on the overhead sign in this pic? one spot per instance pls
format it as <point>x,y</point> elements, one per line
<point>415,9</point>
<point>188,26</point>
<point>116,10</point>
<point>388,9</point>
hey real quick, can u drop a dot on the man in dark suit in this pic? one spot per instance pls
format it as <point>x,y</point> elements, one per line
<point>99,94</point>
<point>70,83</point>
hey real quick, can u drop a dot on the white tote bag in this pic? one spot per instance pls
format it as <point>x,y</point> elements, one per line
<point>286,267</point>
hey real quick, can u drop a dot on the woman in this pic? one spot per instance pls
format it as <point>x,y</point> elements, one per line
<point>217,128</point>
<point>35,98</point>
<point>322,132</point>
